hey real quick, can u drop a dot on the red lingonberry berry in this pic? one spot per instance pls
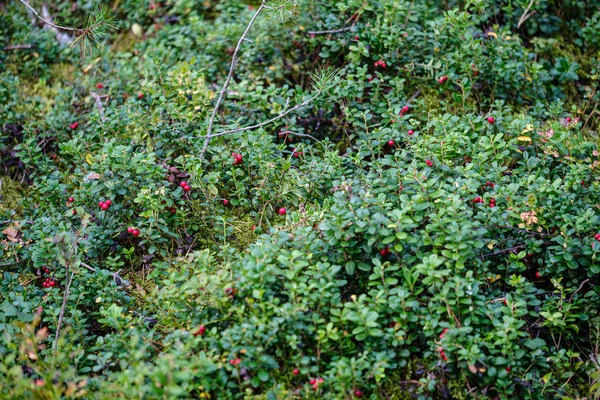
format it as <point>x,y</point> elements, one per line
<point>99,85</point>
<point>568,119</point>
<point>74,125</point>
<point>71,199</point>
<point>537,274</point>
<point>491,120</point>
<point>225,202</point>
<point>429,163</point>
<point>358,393</point>
<point>391,143</point>
<point>140,96</point>
<point>104,206</point>
<point>130,230</point>
<point>405,109</point>
<point>183,184</point>
<point>201,331</point>
<point>282,211</point>
<point>108,202</point>
<point>296,371</point>
<point>410,132</point>
<point>187,188</point>
<point>135,232</point>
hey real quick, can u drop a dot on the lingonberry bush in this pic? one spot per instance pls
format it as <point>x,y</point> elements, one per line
<point>300,199</point>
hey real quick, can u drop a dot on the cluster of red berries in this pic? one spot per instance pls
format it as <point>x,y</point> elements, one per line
<point>201,331</point>
<point>442,79</point>
<point>315,382</point>
<point>429,163</point>
<point>105,205</point>
<point>385,252</point>
<point>597,236</point>
<point>100,85</point>
<point>491,120</point>
<point>490,184</point>
<point>237,158</point>
<point>478,199</point>
<point>381,64</point>
<point>282,211</point>
<point>235,361</point>
<point>133,231</point>
<point>444,333</point>
<point>74,125</point>
<point>404,110</point>
<point>297,154</point>
<point>492,202</point>
<point>442,354</point>
<point>185,186</point>
<point>49,283</point>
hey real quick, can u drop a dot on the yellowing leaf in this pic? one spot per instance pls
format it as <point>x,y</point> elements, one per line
<point>524,139</point>
<point>89,159</point>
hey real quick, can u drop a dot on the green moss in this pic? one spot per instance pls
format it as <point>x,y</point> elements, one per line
<point>10,197</point>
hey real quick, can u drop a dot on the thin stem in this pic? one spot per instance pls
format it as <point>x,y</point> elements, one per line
<point>283,114</point>
<point>63,307</point>
<point>228,80</point>
<point>346,29</point>
<point>65,28</point>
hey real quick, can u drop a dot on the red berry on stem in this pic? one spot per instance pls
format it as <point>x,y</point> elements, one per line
<point>140,96</point>
<point>253,227</point>
<point>130,230</point>
<point>358,393</point>
<point>225,202</point>
<point>187,188</point>
<point>104,206</point>
<point>405,109</point>
<point>282,211</point>
<point>108,202</point>
<point>135,232</point>
<point>391,143</point>
<point>296,371</point>
<point>99,85</point>
<point>183,184</point>
<point>71,199</point>
<point>74,125</point>
<point>537,274</point>
<point>410,132</point>
<point>201,331</point>
<point>568,119</point>
<point>491,120</point>
<point>429,163</point>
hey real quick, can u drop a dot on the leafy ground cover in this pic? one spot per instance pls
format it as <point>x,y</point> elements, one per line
<point>425,225</point>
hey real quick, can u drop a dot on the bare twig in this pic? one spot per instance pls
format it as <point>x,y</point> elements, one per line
<point>504,251</point>
<point>87,266</point>
<point>526,16</point>
<point>228,80</point>
<point>98,105</point>
<point>64,306</point>
<point>64,28</point>
<point>346,29</point>
<point>281,115</point>
<point>299,134</point>
<point>18,47</point>
<point>578,289</point>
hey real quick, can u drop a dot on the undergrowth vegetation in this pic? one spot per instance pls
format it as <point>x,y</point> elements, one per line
<point>426,227</point>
